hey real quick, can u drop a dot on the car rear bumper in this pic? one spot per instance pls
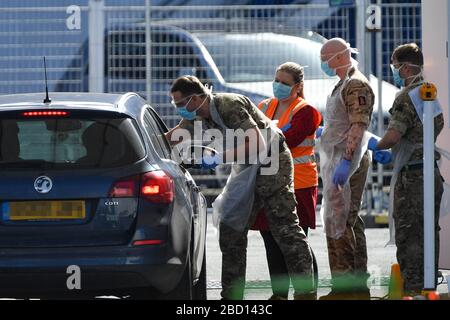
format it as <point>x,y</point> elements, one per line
<point>100,268</point>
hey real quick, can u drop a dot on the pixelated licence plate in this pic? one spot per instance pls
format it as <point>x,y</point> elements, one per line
<point>44,210</point>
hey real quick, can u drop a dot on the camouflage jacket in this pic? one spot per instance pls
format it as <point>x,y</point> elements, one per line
<point>357,96</point>
<point>405,120</point>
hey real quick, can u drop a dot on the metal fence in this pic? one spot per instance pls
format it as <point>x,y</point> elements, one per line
<point>244,45</point>
<point>401,23</point>
<point>234,48</point>
<point>29,33</point>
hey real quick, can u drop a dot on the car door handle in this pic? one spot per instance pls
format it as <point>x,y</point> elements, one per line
<point>192,185</point>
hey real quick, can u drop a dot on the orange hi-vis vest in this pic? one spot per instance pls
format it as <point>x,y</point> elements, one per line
<point>305,166</point>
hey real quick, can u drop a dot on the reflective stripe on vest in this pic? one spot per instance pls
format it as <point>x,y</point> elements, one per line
<point>305,159</point>
<point>308,143</point>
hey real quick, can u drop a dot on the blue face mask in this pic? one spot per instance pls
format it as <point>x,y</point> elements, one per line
<point>188,115</point>
<point>184,113</point>
<point>281,91</point>
<point>398,80</point>
<point>327,70</point>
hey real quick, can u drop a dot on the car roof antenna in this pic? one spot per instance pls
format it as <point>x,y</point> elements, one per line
<point>47,99</point>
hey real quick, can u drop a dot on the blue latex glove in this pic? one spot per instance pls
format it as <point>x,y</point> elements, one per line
<point>342,172</point>
<point>286,128</point>
<point>210,161</point>
<point>319,132</point>
<point>382,156</point>
<point>373,144</point>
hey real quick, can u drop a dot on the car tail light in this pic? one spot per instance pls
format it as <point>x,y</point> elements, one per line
<point>53,113</point>
<point>157,186</point>
<point>125,188</point>
<point>147,242</point>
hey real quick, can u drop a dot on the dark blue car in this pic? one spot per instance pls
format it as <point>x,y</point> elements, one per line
<point>87,183</point>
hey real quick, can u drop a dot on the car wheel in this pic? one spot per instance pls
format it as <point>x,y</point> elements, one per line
<point>200,287</point>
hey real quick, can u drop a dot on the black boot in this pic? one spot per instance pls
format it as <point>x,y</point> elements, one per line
<point>305,296</point>
<point>338,295</point>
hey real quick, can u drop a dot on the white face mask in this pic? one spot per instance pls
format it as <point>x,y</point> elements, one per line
<point>336,54</point>
<point>401,82</point>
<point>332,72</point>
<point>420,74</point>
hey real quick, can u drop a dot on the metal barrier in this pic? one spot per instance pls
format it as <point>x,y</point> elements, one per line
<point>243,47</point>
<point>234,48</point>
<point>179,37</point>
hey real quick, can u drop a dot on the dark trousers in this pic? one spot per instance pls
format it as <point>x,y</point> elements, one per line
<point>279,275</point>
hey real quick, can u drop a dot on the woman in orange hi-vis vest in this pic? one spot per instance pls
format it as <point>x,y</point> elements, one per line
<point>298,120</point>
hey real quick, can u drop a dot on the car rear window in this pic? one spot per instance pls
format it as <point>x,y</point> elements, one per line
<point>69,143</point>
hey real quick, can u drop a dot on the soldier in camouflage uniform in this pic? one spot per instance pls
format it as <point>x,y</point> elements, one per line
<point>275,192</point>
<point>352,99</point>
<point>405,135</point>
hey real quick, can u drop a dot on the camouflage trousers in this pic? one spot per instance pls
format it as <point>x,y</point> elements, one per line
<point>276,194</point>
<point>348,255</point>
<point>408,218</point>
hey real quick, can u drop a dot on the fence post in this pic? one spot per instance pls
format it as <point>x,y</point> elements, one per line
<point>96,45</point>
<point>380,122</point>
<point>362,39</point>
<point>364,59</point>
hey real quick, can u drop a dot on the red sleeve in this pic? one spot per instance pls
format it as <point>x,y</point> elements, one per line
<point>302,125</point>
